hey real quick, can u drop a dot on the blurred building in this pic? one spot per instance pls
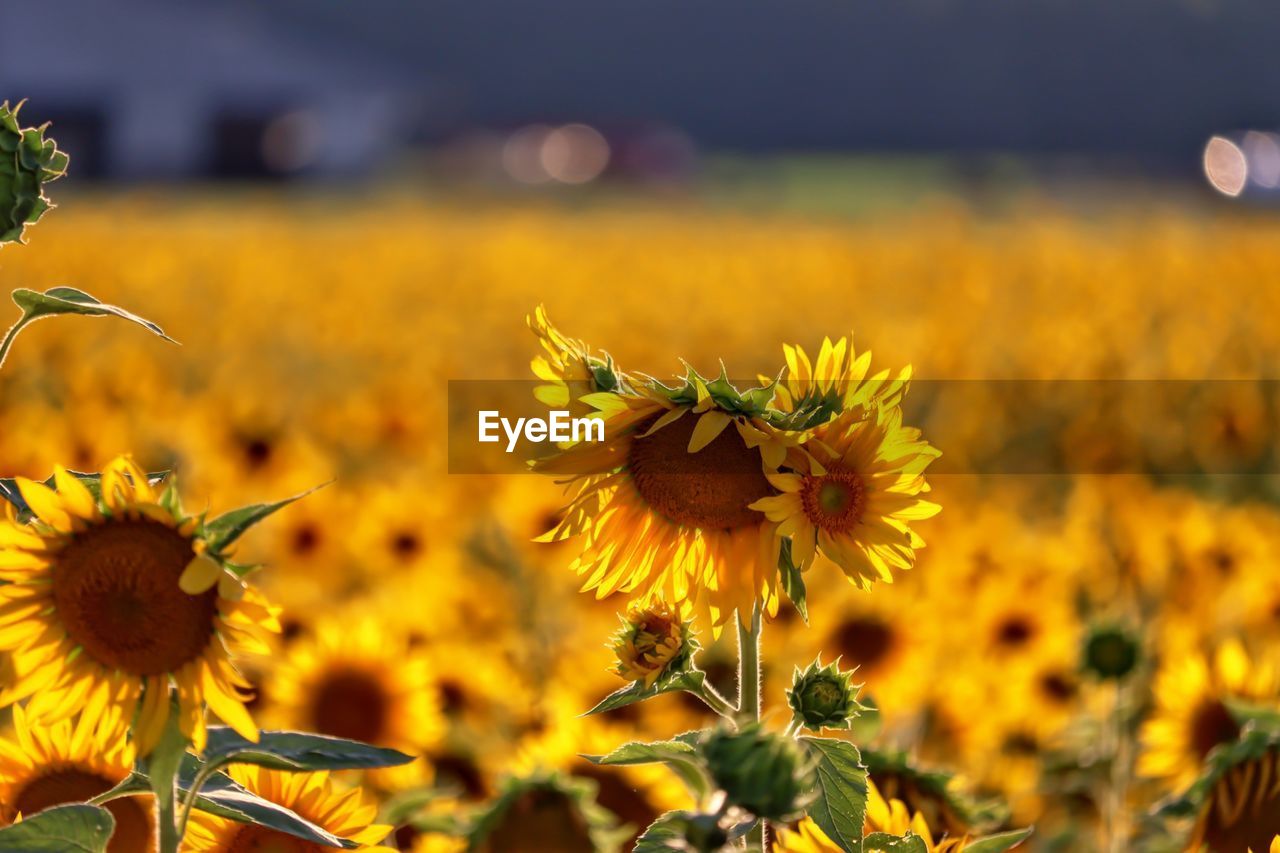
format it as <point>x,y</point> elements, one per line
<point>146,89</point>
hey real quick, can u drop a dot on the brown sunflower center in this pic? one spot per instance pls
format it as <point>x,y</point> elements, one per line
<point>1014,632</point>
<point>260,839</point>
<point>115,588</point>
<point>72,785</point>
<point>835,501</point>
<point>1212,725</point>
<point>865,641</point>
<point>711,489</point>
<point>351,704</point>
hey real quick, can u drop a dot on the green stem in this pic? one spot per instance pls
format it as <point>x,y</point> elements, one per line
<point>715,701</point>
<point>749,697</point>
<point>163,765</point>
<point>7,342</point>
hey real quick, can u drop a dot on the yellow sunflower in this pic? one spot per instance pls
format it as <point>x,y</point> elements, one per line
<point>1192,715</point>
<point>664,503</point>
<point>840,375</point>
<point>110,602</point>
<point>856,508</point>
<point>66,762</point>
<point>353,679</point>
<point>311,796</point>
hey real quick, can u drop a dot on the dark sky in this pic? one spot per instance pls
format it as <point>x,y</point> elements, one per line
<point>1145,77</point>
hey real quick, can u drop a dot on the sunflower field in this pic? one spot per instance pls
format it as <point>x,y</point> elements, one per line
<point>804,612</point>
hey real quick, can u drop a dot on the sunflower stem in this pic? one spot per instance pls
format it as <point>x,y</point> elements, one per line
<point>7,342</point>
<point>713,700</point>
<point>163,765</point>
<point>749,696</point>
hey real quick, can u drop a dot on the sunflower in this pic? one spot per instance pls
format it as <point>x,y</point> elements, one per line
<point>1192,716</point>
<point>352,679</point>
<point>112,601</point>
<point>856,508</point>
<point>67,762</point>
<point>834,383</point>
<point>311,796</point>
<point>664,503</point>
<point>1241,810</point>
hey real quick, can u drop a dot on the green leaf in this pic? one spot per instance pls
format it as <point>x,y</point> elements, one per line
<point>226,529</point>
<point>66,300</point>
<point>793,581</point>
<point>690,680</point>
<point>61,829</point>
<point>881,842</point>
<point>69,300</point>
<point>297,751</point>
<point>999,842</point>
<point>841,805</point>
<point>222,796</point>
<point>680,756</point>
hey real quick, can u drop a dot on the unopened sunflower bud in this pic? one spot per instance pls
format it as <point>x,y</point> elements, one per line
<point>1111,652</point>
<point>28,161</point>
<point>823,697</point>
<point>653,640</point>
<point>764,773</point>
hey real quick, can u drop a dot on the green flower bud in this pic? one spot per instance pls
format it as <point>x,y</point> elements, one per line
<point>1111,652</point>
<point>766,774</point>
<point>27,162</point>
<point>823,697</point>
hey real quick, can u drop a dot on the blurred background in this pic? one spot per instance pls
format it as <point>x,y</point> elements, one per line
<point>338,207</point>
<point>803,102</point>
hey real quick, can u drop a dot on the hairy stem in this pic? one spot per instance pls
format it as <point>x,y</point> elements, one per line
<point>749,697</point>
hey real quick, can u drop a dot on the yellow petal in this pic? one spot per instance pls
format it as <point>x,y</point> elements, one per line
<point>76,497</point>
<point>45,503</point>
<point>200,575</point>
<point>709,426</point>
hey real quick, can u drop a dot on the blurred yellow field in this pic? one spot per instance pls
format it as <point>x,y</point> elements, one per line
<point>318,335</point>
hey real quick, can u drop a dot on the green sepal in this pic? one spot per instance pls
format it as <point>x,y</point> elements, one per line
<point>840,807</point>
<point>224,530</point>
<point>792,581</point>
<point>75,828</point>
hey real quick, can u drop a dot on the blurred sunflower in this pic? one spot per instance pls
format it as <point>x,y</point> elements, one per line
<point>67,762</point>
<point>856,509</point>
<point>311,796</point>
<point>353,679</point>
<point>96,618</point>
<point>1241,811</point>
<point>1192,715</point>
